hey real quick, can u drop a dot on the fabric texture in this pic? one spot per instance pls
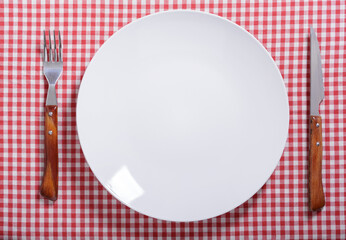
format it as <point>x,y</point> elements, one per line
<point>84,209</point>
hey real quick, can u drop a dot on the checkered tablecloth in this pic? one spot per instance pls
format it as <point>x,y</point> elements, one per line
<point>84,208</point>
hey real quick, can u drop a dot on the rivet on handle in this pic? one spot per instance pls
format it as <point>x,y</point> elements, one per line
<point>50,114</point>
<point>50,132</point>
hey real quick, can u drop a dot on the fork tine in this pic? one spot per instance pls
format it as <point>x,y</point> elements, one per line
<point>51,55</point>
<point>60,48</point>
<point>44,47</point>
<point>55,53</point>
<point>50,47</point>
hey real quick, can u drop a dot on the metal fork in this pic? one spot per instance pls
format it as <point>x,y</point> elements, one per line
<point>52,70</point>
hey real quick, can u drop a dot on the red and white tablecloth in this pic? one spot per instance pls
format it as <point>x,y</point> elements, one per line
<point>84,208</point>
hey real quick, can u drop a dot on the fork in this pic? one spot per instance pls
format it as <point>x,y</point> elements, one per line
<point>52,70</point>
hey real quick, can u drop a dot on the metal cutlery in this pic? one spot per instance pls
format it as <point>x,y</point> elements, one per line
<point>52,70</point>
<point>316,194</point>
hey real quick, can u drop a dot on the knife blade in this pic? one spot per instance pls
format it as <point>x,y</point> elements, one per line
<point>316,193</point>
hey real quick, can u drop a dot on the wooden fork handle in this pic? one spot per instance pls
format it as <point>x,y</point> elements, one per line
<point>316,194</point>
<point>49,186</point>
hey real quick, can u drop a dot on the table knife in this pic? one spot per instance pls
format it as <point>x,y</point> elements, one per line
<point>316,193</point>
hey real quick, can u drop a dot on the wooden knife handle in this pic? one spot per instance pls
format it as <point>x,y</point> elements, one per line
<point>316,194</point>
<point>49,186</point>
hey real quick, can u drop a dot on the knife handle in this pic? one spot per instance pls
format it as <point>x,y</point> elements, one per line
<point>316,194</point>
<point>49,186</point>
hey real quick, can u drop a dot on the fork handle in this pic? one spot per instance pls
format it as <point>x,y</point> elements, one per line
<point>49,186</point>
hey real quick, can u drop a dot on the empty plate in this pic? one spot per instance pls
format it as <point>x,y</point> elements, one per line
<point>182,115</point>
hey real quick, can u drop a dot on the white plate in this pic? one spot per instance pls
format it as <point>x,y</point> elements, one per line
<point>182,115</point>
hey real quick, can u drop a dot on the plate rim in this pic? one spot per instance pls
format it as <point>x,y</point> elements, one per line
<point>107,41</point>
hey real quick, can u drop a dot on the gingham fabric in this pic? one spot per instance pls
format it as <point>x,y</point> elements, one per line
<point>84,208</point>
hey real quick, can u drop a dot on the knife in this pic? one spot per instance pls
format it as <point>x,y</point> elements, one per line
<point>316,194</point>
